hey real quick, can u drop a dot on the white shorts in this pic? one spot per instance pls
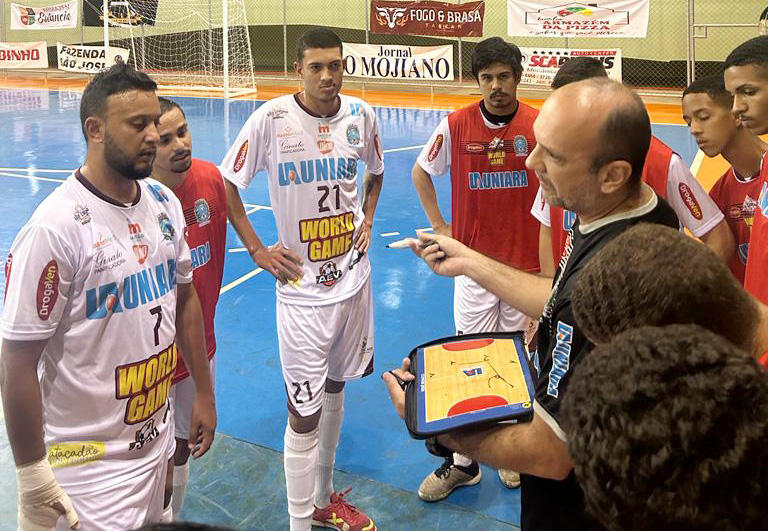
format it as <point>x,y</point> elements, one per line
<point>476,309</point>
<point>183,394</point>
<point>317,342</point>
<point>126,505</point>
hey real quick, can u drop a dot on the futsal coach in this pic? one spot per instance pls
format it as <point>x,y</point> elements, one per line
<point>592,138</point>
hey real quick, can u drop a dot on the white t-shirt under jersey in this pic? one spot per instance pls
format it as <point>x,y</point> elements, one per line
<point>98,281</point>
<point>312,166</point>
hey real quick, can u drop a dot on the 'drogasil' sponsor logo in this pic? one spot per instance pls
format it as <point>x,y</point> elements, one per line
<point>75,453</point>
<point>475,147</point>
<point>240,159</point>
<point>690,201</point>
<point>47,290</point>
<point>146,384</point>
<point>435,150</point>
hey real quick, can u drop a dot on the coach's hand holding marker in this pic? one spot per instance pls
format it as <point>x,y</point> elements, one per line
<point>41,500</point>
<point>444,255</point>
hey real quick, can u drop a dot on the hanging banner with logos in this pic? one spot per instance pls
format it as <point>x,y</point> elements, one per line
<point>541,64</point>
<point>23,55</point>
<point>437,19</point>
<point>89,59</point>
<point>393,61</point>
<point>121,12</point>
<point>558,18</point>
<point>44,18</point>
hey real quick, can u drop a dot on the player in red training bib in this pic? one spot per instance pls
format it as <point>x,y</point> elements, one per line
<point>746,78</point>
<point>707,111</point>
<point>664,171</point>
<point>200,188</point>
<point>484,146</point>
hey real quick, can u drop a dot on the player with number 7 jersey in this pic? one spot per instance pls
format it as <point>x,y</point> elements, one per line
<point>97,280</point>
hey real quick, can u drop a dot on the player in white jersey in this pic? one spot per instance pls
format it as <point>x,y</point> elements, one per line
<point>311,143</point>
<point>98,295</point>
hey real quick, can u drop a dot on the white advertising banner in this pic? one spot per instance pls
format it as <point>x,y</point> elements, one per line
<point>558,18</point>
<point>541,64</point>
<point>392,61</point>
<point>89,59</point>
<point>44,18</point>
<point>23,55</point>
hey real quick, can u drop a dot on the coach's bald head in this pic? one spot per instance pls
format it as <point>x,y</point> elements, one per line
<point>592,138</point>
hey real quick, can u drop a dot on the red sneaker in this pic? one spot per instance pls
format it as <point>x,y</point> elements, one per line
<point>342,516</point>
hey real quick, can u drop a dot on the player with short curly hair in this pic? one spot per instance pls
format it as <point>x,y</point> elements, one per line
<point>654,276</point>
<point>661,422</point>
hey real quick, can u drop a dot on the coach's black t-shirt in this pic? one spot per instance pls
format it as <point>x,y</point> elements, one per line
<point>549,505</point>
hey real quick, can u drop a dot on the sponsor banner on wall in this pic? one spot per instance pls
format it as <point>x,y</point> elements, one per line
<point>558,18</point>
<point>23,55</point>
<point>427,18</point>
<point>541,64</point>
<point>121,12</point>
<point>43,18</point>
<point>89,59</point>
<point>392,61</point>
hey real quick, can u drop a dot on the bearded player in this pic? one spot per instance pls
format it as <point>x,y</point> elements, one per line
<point>99,294</point>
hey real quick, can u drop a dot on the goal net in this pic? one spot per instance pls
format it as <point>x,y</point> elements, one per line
<point>197,44</point>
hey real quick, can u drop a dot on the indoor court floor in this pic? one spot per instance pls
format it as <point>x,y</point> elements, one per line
<point>240,482</point>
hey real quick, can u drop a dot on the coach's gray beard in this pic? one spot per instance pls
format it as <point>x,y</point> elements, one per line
<point>121,163</point>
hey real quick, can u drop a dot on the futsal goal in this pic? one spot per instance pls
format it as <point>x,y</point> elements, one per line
<point>190,44</point>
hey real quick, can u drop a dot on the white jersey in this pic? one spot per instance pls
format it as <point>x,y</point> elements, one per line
<point>699,220</point>
<point>98,281</point>
<point>312,164</point>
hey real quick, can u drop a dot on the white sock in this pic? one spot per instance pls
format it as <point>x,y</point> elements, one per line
<point>167,517</point>
<point>461,460</point>
<point>330,427</point>
<point>180,480</point>
<point>300,462</point>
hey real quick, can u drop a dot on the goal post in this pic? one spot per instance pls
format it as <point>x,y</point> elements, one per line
<point>190,44</point>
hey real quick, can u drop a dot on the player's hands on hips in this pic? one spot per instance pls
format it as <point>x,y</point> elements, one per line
<point>444,255</point>
<point>282,263</point>
<point>396,390</point>
<point>203,425</point>
<point>363,238</point>
<point>41,500</point>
